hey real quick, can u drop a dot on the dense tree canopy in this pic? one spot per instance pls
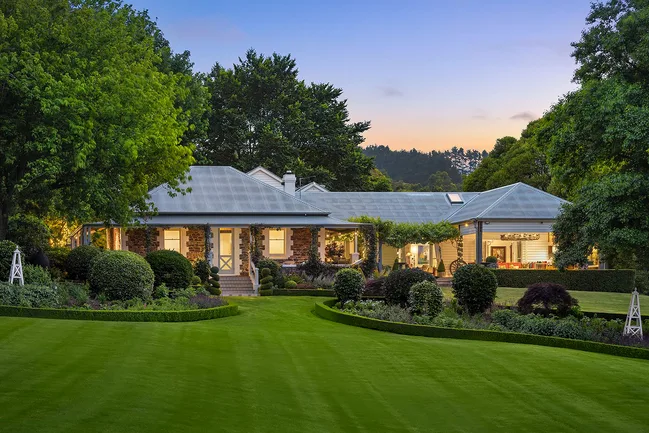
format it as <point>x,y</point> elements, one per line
<point>610,215</point>
<point>90,118</point>
<point>263,114</point>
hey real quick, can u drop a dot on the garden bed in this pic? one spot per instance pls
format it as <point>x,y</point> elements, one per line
<point>304,292</point>
<point>327,311</point>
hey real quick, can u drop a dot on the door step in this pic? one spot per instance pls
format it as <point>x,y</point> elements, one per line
<point>236,285</point>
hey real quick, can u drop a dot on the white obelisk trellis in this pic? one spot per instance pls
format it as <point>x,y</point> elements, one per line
<point>633,325</point>
<point>16,269</point>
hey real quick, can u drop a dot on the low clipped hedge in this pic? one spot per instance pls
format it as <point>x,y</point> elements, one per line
<point>592,280</point>
<point>122,315</point>
<point>325,311</point>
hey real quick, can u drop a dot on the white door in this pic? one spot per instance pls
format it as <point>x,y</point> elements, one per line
<point>226,251</point>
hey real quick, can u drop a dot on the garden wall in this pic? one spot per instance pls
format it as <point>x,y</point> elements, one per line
<point>325,311</point>
<point>596,280</point>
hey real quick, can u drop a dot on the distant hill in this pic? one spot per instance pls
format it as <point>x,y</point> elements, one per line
<point>414,166</point>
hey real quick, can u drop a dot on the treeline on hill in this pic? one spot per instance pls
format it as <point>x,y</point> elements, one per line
<point>592,146</point>
<point>414,170</point>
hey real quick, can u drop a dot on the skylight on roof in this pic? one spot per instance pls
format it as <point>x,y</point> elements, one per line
<point>455,198</point>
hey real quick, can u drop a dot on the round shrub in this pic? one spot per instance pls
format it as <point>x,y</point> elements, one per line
<point>121,275</point>
<point>7,249</point>
<point>474,287</point>
<point>171,268</point>
<point>290,284</point>
<point>79,261</point>
<point>398,283</point>
<point>38,275</point>
<point>348,285</point>
<point>426,299</point>
<point>58,256</point>
<point>546,298</point>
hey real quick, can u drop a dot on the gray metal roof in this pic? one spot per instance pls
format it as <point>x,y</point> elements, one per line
<point>393,206</point>
<point>225,190</point>
<point>512,202</point>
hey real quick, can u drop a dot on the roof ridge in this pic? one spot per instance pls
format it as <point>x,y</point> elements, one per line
<point>544,192</point>
<point>512,188</point>
<point>277,189</point>
<point>477,194</point>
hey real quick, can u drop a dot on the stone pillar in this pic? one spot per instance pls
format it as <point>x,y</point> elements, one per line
<point>195,243</point>
<point>244,251</point>
<point>355,254</point>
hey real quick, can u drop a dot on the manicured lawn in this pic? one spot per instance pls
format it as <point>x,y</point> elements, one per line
<point>589,301</point>
<point>279,368</point>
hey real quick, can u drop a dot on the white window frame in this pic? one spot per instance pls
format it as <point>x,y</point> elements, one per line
<point>284,248</point>
<point>164,240</point>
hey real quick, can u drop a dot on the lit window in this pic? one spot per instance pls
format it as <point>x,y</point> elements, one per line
<point>172,240</point>
<point>277,242</point>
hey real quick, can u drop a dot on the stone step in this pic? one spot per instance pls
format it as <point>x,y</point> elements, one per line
<point>444,281</point>
<point>229,292</point>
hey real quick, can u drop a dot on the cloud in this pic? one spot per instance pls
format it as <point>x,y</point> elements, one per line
<point>524,115</point>
<point>480,114</point>
<point>390,92</point>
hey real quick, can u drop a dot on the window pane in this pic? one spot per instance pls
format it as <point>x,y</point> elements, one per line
<point>225,242</point>
<point>276,242</point>
<point>172,240</point>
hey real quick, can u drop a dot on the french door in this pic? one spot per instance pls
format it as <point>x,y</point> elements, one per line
<point>226,251</point>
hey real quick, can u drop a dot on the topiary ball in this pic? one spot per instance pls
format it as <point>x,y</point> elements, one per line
<point>80,260</point>
<point>265,272</point>
<point>121,275</point>
<point>348,285</point>
<point>426,298</point>
<point>398,283</point>
<point>290,284</point>
<point>171,268</point>
<point>474,287</point>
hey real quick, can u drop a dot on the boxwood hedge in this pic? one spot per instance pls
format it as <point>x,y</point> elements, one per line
<point>324,310</point>
<point>122,315</point>
<point>592,280</point>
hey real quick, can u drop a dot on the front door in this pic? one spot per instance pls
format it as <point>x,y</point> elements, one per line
<point>226,251</point>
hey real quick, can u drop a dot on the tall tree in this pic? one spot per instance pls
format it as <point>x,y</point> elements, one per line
<point>600,146</point>
<point>478,180</point>
<point>88,121</point>
<point>263,114</point>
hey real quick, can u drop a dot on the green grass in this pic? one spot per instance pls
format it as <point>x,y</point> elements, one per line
<point>279,368</point>
<point>601,302</point>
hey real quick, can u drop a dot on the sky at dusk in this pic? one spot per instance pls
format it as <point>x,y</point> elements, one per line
<point>427,74</point>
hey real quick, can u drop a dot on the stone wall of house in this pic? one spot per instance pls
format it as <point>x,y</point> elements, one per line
<point>136,240</point>
<point>301,242</point>
<point>195,243</point>
<point>244,251</point>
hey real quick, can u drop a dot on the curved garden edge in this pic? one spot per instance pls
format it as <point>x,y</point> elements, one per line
<point>324,310</point>
<point>122,315</point>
